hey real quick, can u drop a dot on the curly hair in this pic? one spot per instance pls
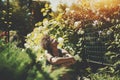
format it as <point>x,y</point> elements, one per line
<point>45,42</point>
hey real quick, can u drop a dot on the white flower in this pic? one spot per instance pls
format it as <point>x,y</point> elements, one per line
<point>40,58</point>
<point>40,28</point>
<point>82,32</point>
<point>35,36</point>
<point>45,32</point>
<point>46,51</point>
<point>54,22</point>
<point>99,32</point>
<point>36,48</point>
<point>77,23</point>
<point>45,22</point>
<point>28,35</point>
<point>60,40</point>
<point>67,9</point>
<point>26,45</point>
<point>72,11</point>
<point>23,50</point>
<point>108,32</point>
<point>95,23</point>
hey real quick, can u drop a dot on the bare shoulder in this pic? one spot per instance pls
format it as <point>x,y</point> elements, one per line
<point>64,51</point>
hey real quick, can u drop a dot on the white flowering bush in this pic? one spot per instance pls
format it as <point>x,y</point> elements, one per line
<point>33,39</point>
<point>51,27</point>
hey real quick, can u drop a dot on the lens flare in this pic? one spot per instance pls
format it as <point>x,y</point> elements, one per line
<point>104,4</point>
<point>93,4</point>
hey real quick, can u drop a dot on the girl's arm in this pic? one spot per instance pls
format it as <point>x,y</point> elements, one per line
<point>59,60</point>
<point>64,52</point>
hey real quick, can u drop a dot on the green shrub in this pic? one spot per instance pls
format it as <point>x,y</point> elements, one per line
<point>104,77</point>
<point>21,64</point>
<point>13,62</point>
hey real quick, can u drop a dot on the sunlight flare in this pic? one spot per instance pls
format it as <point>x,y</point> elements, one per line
<point>93,4</point>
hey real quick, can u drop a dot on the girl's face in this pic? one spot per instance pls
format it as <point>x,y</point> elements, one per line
<point>54,43</point>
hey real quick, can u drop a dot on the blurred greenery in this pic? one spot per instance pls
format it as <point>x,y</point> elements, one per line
<point>13,62</point>
<point>21,64</point>
<point>88,32</point>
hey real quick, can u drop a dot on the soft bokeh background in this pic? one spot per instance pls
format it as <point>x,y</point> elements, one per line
<point>88,29</point>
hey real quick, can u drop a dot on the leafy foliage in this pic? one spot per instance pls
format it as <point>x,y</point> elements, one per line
<point>104,77</point>
<point>16,15</point>
<point>13,62</point>
<point>84,29</point>
<point>89,29</point>
<point>21,64</point>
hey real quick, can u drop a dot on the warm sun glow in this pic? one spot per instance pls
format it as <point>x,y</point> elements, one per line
<point>93,4</point>
<point>92,10</point>
<point>104,4</point>
<point>55,3</point>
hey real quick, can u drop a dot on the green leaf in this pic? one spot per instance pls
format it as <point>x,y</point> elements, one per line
<point>43,9</point>
<point>109,53</point>
<point>44,14</point>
